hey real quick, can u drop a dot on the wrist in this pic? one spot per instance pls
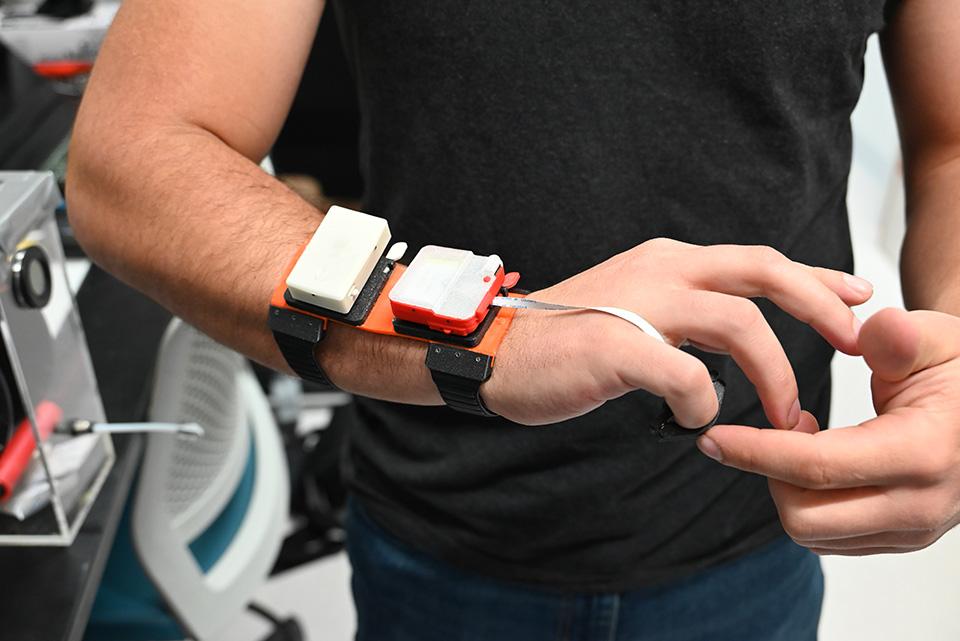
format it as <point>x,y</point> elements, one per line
<point>387,368</point>
<point>495,392</point>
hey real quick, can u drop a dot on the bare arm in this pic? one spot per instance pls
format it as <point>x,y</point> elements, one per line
<point>164,187</point>
<point>922,56</point>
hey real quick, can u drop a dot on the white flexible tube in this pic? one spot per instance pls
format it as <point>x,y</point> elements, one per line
<point>633,318</point>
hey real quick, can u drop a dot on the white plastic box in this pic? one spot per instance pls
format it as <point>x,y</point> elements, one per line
<point>339,258</point>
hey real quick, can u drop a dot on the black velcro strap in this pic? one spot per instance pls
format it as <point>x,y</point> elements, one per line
<point>297,336</point>
<point>458,374</point>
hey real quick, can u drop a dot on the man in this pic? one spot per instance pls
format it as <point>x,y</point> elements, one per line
<point>573,139</point>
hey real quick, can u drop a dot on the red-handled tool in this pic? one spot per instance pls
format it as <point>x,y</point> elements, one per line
<point>16,455</point>
<point>62,69</point>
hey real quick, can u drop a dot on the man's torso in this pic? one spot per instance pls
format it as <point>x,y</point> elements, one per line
<point>556,135</point>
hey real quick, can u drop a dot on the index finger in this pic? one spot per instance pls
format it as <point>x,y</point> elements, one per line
<point>878,452</point>
<point>749,271</point>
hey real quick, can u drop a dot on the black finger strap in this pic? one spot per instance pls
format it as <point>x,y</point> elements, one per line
<point>667,429</point>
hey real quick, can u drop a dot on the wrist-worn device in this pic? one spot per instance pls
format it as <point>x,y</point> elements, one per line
<point>345,274</point>
<point>458,303</point>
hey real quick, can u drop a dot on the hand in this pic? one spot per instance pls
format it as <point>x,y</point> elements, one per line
<point>890,484</point>
<point>557,365</point>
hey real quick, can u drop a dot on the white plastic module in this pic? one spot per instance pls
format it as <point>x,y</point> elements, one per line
<point>447,283</point>
<point>338,260</point>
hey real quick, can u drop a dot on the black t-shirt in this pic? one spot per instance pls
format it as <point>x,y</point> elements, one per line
<point>557,134</point>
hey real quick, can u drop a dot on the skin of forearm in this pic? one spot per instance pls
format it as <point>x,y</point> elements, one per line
<point>176,213</point>
<point>930,259</point>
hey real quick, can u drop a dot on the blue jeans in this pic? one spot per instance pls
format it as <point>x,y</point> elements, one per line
<point>772,594</point>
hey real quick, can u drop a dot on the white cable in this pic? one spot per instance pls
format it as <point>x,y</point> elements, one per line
<point>633,318</point>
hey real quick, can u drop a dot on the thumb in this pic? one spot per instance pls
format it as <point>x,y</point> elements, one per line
<point>896,343</point>
<point>808,423</point>
<point>782,454</point>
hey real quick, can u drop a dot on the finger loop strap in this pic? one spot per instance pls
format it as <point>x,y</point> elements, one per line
<point>667,428</point>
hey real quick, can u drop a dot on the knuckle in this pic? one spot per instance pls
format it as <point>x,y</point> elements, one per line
<point>934,464</point>
<point>926,538</point>
<point>750,336</point>
<point>929,517</point>
<point>687,377</point>
<point>796,526</point>
<point>744,458</point>
<point>826,276</point>
<point>589,396</point>
<point>817,475</point>
<point>769,257</point>
<point>658,244</point>
<point>745,317</point>
<point>772,265</point>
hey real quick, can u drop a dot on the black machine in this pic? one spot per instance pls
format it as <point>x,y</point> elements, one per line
<point>35,121</point>
<point>35,125</point>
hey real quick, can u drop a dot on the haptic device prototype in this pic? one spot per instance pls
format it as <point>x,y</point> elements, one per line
<point>448,290</point>
<point>346,274</point>
<point>459,303</point>
<point>338,260</point>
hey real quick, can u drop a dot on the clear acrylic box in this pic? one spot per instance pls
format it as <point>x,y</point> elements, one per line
<point>45,370</point>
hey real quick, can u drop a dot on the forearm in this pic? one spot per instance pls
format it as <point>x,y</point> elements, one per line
<point>930,260</point>
<point>178,214</point>
<point>921,55</point>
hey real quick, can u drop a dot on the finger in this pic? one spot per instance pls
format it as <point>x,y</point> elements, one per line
<point>905,541</point>
<point>851,289</point>
<point>878,452</point>
<point>681,379</point>
<point>899,343</point>
<point>814,516</point>
<point>751,271</point>
<point>861,552</point>
<point>736,326</point>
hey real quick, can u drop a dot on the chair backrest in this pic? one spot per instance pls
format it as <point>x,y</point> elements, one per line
<point>196,382</point>
<point>185,484</point>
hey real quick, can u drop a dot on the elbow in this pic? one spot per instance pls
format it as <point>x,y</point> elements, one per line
<point>86,194</point>
<point>77,195</point>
